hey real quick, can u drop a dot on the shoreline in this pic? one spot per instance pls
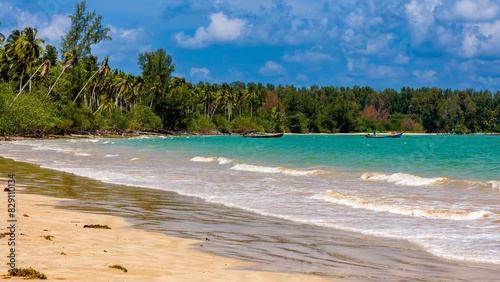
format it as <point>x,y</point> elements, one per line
<point>351,255</point>
<point>54,242</point>
<point>132,134</point>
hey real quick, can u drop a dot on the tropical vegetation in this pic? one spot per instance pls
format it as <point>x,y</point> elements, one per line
<point>48,91</point>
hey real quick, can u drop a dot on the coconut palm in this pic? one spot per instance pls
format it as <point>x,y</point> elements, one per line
<point>101,70</point>
<point>105,72</point>
<point>155,89</point>
<point>65,64</point>
<point>17,65</point>
<point>122,83</point>
<point>4,64</point>
<point>28,47</point>
<point>45,63</point>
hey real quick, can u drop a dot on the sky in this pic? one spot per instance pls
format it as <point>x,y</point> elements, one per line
<point>382,44</point>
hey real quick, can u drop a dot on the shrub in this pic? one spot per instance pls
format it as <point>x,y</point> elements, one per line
<point>143,118</point>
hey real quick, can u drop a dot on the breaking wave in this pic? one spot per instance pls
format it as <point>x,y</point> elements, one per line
<point>404,179</point>
<point>381,206</point>
<point>221,160</point>
<point>265,169</point>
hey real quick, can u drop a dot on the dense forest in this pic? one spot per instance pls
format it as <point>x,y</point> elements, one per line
<point>48,91</point>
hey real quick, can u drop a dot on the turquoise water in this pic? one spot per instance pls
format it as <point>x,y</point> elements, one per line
<point>441,192</point>
<point>456,157</point>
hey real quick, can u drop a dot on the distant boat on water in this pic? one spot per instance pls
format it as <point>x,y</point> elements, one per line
<point>250,134</point>
<point>375,135</point>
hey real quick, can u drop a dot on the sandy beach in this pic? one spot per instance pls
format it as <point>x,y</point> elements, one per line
<point>55,242</point>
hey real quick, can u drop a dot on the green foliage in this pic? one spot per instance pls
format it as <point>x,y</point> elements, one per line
<point>200,123</point>
<point>78,118</point>
<point>86,30</point>
<point>460,128</point>
<point>120,119</point>
<point>29,113</point>
<point>143,118</point>
<point>297,123</point>
<point>242,124</point>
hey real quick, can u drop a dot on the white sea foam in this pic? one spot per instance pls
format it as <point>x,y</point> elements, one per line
<point>494,184</point>
<point>369,203</point>
<point>403,179</point>
<point>223,160</point>
<point>82,154</point>
<point>266,169</point>
<point>110,156</point>
<point>203,159</point>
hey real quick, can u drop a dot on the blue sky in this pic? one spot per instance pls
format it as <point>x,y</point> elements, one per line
<point>382,44</point>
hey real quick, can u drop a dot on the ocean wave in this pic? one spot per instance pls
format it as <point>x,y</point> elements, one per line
<point>223,160</point>
<point>203,159</point>
<point>404,179</point>
<point>414,211</point>
<point>265,169</point>
<point>494,184</point>
<point>220,160</point>
<point>82,154</point>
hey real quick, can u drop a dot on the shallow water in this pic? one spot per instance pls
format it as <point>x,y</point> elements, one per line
<point>450,213</point>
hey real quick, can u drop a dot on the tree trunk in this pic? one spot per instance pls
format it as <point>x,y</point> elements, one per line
<point>30,79</point>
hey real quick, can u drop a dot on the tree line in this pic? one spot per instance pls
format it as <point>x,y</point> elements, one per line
<point>49,91</point>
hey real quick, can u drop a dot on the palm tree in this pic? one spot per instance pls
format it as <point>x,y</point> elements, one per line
<point>4,64</point>
<point>155,89</point>
<point>17,64</point>
<point>65,64</point>
<point>252,96</point>
<point>28,47</point>
<point>45,63</point>
<point>105,72</point>
<point>122,83</point>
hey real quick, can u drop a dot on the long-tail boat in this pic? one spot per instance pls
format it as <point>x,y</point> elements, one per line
<point>375,135</point>
<point>251,134</point>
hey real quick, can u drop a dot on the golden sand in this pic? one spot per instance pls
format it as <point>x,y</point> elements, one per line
<point>55,242</point>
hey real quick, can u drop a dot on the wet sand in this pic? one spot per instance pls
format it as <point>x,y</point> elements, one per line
<point>55,242</point>
<point>257,242</point>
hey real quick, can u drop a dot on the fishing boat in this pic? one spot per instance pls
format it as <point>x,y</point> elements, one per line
<point>493,134</point>
<point>251,134</point>
<point>375,135</point>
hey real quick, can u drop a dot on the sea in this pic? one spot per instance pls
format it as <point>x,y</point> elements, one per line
<point>291,201</point>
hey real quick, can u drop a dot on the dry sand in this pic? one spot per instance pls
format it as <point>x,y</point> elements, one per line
<point>78,253</point>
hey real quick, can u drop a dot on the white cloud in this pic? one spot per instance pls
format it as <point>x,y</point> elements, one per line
<point>200,73</point>
<point>57,27</point>
<point>49,28</point>
<point>272,68</point>
<point>468,10</point>
<point>309,57</point>
<point>129,35</point>
<point>221,29</point>
<point>420,15</point>
<point>425,75</point>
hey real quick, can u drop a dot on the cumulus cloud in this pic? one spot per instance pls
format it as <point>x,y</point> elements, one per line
<point>420,15</point>
<point>468,10</point>
<point>220,29</point>
<point>272,68</point>
<point>56,28</point>
<point>200,74</point>
<point>50,28</point>
<point>425,75</point>
<point>129,35</point>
